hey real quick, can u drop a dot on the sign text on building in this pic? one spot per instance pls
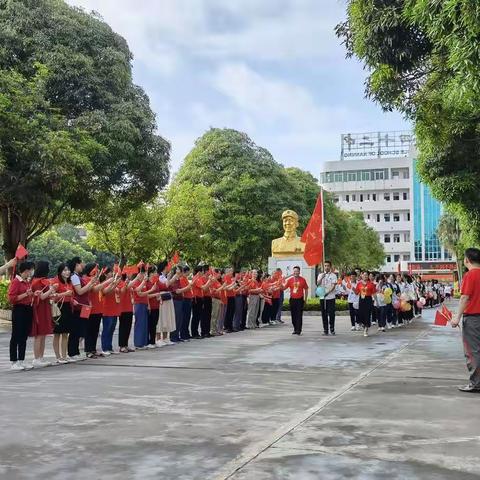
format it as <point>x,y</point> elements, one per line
<point>376,145</point>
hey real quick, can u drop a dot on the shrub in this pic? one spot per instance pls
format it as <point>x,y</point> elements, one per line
<point>4,303</point>
<point>313,305</point>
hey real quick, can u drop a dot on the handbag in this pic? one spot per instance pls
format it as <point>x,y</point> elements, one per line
<point>56,312</point>
<point>85,311</point>
<point>166,296</point>
<point>320,292</point>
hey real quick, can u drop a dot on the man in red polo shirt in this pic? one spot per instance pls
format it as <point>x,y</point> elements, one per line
<point>298,296</point>
<point>469,308</point>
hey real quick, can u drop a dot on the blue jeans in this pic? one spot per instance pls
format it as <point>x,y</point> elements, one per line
<point>280,305</point>
<point>187,313</point>
<point>140,330</point>
<point>108,327</point>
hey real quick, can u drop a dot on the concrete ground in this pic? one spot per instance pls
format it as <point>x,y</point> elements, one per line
<point>256,405</point>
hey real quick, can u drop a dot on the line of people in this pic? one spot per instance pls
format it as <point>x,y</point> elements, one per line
<point>160,305</point>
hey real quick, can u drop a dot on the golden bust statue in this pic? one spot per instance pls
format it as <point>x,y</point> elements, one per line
<point>290,243</point>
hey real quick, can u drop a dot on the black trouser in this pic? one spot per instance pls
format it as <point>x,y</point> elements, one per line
<point>228,324</point>
<point>296,310</point>
<point>22,317</point>
<point>382,316</point>
<point>274,311</point>
<point>416,308</point>
<point>206,319</point>
<point>328,314</point>
<point>152,326</point>
<point>267,312</point>
<point>124,329</point>
<point>91,335</point>
<point>353,314</point>
<point>197,312</point>
<point>187,313</point>
<point>471,344</point>
<point>374,315</point>
<point>75,334</point>
<point>245,311</point>
<point>365,306</point>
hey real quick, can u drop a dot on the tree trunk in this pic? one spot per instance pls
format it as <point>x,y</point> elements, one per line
<point>13,231</point>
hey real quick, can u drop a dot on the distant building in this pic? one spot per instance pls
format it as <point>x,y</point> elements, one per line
<point>376,175</point>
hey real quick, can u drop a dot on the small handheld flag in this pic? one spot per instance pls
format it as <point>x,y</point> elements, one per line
<point>21,252</point>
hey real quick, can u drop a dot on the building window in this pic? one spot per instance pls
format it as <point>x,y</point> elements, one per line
<point>361,197</point>
<point>386,238</point>
<point>352,176</point>
<point>347,198</point>
<point>396,258</point>
<point>378,217</point>
<point>374,197</point>
<point>388,259</point>
<point>396,238</point>
<point>386,196</point>
<point>365,175</point>
<point>395,174</point>
<point>354,198</point>
<point>405,195</point>
<point>406,257</point>
<point>368,197</point>
<point>379,175</point>
<point>396,217</point>
<point>406,174</point>
<point>406,237</point>
<point>336,199</point>
<point>386,217</point>
<point>368,216</point>
<point>407,216</point>
<point>396,196</point>
<point>338,177</point>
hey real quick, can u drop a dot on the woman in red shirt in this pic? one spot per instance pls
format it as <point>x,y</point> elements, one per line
<point>42,324</point>
<point>20,296</point>
<point>110,310</point>
<point>365,290</point>
<point>62,325</point>
<point>254,290</point>
<point>126,314</point>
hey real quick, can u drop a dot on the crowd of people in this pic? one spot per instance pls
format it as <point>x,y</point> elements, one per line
<point>389,301</point>
<point>157,305</point>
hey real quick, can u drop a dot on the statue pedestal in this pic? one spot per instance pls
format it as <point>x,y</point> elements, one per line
<point>287,263</point>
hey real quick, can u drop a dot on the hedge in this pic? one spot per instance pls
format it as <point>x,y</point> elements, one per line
<point>4,303</point>
<point>313,304</point>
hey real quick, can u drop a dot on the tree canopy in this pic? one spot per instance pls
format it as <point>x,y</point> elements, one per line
<point>75,131</point>
<point>423,58</point>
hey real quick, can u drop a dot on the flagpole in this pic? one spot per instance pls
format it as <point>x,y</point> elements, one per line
<point>323,229</point>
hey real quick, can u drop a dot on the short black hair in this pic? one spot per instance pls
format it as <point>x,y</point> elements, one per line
<point>186,269</point>
<point>328,261</point>
<point>88,268</point>
<point>162,266</point>
<point>23,266</point>
<point>41,269</point>
<point>73,263</point>
<point>296,266</point>
<point>473,255</point>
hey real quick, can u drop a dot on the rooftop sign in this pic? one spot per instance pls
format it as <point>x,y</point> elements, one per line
<point>376,145</point>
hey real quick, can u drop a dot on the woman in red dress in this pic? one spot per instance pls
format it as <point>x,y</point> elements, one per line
<point>365,289</point>
<point>42,326</point>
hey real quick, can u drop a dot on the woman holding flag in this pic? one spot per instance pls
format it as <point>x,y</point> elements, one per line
<point>111,308</point>
<point>126,309</point>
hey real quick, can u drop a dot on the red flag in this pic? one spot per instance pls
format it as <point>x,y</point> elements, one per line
<point>446,313</point>
<point>93,271</point>
<point>440,319</point>
<point>140,265</point>
<point>313,235</point>
<point>21,252</point>
<point>169,266</point>
<point>176,258</point>
<point>116,269</point>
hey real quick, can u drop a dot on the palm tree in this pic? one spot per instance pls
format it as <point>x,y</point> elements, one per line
<point>449,234</point>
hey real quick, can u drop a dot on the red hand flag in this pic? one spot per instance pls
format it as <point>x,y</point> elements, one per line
<point>313,235</point>
<point>116,269</point>
<point>21,252</point>
<point>446,312</point>
<point>94,271</point>
<point>176,258</point>
<point>440,319</point>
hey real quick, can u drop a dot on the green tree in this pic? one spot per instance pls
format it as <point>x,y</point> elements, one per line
<point>75,131</point>
<point>423,58</point>
<point>450,237</point>
<point>53,248</point>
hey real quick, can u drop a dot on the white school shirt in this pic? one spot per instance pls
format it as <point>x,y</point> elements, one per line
<point>327,280</point>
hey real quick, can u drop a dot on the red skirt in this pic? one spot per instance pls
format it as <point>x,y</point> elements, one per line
<point>42,319</point>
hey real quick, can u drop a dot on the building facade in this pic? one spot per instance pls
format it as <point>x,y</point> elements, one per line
<point>376,176</point>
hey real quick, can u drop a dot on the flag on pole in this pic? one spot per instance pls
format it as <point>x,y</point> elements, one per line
<point>446,312</point>
<point>442,316</point>
<point>176,258</point>
<point>313,236</point>
<point>21,252</point>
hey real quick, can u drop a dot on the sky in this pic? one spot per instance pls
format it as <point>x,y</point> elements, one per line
<point>271,68</point>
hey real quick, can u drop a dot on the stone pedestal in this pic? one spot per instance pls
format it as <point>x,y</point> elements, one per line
<point>287,263</point>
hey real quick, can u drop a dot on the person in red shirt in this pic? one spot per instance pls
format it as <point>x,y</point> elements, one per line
<point>469,309</point>
<point>254,290</point>
<point>267,299</point>
<point>43,291</point>
<point>215,290</point>
<point>126,313</point>
<point>229,286</point>
<point>365,290</point>
<point>140,308</point>
<point>20,296</point>
<point>153,306</point>
<point>62,324</point>
<point>110,296</point>
<point>198,282</point>
<point>298,296</point>
<point>186,291</point>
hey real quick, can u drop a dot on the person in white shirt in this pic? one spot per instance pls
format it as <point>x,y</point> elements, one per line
<point>350,286</point>
<point>328,280</point>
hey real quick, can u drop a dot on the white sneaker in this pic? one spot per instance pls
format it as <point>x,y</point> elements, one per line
<point>17,366</point>
<point>114,352</point>
<point>141,348</point>
<point>353,329</point>
<point>37,363</point>
<point>389,326</point>
<point>71,359</point>
<point>151,347</point>
<point>365,332</point>
<point>357,327</point>
<point>106,354</point>
<point>46,362</point>
<point>169,342</point>
<point>83,356</point>
<point>160,343</point>
<point>374,323</point>
<point>61,361</point>
<point>131,349</point>
<point>381,329</point>
<point>26,366</point>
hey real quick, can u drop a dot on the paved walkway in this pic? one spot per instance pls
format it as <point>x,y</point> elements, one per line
<point>249,406</point>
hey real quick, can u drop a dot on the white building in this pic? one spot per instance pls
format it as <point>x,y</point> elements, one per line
<point>376,176</point>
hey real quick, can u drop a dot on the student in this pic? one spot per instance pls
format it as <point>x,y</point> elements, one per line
<point>298,296</point>
<point>166,319</point>
<point>43,291</point>
<point>365,290</point>
<point>215,289</point>
<point>153,306</point>
<point>229,285</point>
<point>20,296</point>
<point>206,320</point>
<point>469,314</point>
<point>62,325</point>
<point>380,304</point>
<point>352,298</point>
<point>239,303</point>
<point>126,314</point>
<point>267,300</point>
<point>328,280</point>
<point>223,305</point>
<point>111,310</point>
<point>177,298</point>
<point>186,291</point>
<point>254,290</point>
<point>81,288</point>
<point>278,317</point>
<point>140,308</point>
<point>198,282</point>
